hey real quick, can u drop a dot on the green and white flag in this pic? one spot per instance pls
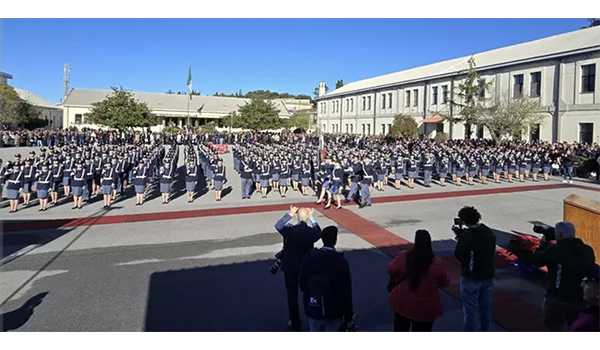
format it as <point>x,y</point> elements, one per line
<point>189,81</point>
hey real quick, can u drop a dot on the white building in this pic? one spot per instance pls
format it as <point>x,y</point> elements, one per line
<point>49,112</point>
<point>174,109</point>
<point>559,71</point>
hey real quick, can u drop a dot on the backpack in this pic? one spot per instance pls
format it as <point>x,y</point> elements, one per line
<point>319,292</point>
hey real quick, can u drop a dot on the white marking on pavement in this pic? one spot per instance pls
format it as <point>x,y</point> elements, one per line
<point>10,280</point>
<point>18,254</point>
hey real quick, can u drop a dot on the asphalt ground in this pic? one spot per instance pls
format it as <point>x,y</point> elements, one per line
<point>210,272</point>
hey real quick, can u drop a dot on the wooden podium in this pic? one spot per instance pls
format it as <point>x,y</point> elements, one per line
<point>584,213</point>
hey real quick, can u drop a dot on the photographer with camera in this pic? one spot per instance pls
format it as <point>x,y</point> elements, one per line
<point>298,240</point>
<point>476,251</point>
<point>568,262</point>
<point>327,286</point>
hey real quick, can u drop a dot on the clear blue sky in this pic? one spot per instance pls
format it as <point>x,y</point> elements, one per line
<point>285,55</point>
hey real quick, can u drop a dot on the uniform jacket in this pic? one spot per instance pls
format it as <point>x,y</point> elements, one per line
<point>298,240</point>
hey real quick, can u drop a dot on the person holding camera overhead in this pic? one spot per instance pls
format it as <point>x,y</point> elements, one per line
<point>298,240</point>
<point>476,251</point>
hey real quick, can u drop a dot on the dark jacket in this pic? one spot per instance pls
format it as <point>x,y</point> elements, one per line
<point>326,285</point>
<point>476,251</point>
<point>568,261</point>
<point>298,240</point>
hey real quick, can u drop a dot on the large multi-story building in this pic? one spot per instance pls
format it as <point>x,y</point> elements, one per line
<point>174,109</point>
<point>558,71</point>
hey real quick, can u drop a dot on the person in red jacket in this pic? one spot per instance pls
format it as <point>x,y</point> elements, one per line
<point>416,277</point>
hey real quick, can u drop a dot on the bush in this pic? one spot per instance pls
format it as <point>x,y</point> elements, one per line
<point>404,126</point>
<point>441,137</point>
<point>171,130</point>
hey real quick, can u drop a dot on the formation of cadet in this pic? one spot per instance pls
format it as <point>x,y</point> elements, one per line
<point>333,168</point>
<point>348,167</point>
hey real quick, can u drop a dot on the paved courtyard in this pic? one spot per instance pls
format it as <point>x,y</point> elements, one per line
<point>205,266</point>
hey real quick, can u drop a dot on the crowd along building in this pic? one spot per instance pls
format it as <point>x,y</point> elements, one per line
<point>559,72</point>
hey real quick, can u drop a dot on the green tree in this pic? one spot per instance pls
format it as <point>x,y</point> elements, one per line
<point>257,114</point>
<point>120,110</point>
<point>339,84</point>
<point>404,126</point>
<point>471,102</point>
<point>15,111</point>
<point>511,117</point>
<point>300,119</point>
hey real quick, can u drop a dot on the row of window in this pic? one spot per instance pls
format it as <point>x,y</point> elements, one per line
<point>588,85</point>
<point>365,128</point>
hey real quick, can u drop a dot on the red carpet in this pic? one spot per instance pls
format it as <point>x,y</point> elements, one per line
<point>29,225</point>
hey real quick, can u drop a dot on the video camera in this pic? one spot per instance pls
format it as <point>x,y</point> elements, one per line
<point>458,227</point>
<point>546,231</point>
<point>277,264</point>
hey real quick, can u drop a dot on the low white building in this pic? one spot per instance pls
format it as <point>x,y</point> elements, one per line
<point>559,71</point>
<point>49,112</point>
<point>173,109</point>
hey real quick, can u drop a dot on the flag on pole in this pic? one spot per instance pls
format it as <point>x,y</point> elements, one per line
<point>189,81</point>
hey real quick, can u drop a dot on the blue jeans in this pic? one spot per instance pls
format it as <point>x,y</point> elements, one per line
<point>315,325</point>
<point>365,194</point>
<point>353,190</point>
<point>568,173</point>
<point>476,297</point>
<point>246,187</point>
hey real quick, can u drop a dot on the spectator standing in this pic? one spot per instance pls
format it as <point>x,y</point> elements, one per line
<point>476,251</point>
<point>568,262</point>
<point>298,240</point>
<point>589,319</point>
<point>326,286</point>
<point>416,277</point>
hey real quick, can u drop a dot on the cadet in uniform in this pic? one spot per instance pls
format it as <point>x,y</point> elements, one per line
<point>428,164</point>
<point>57,177</point>
<point>140,180</point>
<point>367,180</point>
<point>78,181</point>
<point>246,174</point>
<point>44,180</point>
<point>191,180</point>
<point>14,179</point>
<point>28,179</point>
<point>219,179</point>
<point>284,178</point>
<point>107,181</point>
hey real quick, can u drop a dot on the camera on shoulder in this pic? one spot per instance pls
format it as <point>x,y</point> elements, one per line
<point>546,231</point>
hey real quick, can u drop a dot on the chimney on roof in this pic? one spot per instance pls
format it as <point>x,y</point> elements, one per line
<point>322,88</point>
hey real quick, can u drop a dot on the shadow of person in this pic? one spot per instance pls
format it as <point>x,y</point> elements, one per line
<point>18,317</point>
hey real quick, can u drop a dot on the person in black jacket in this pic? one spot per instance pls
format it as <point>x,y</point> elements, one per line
<point>568,262</point>
<point>476,251</point>
<point>326,286</point>
<point>298,240</point>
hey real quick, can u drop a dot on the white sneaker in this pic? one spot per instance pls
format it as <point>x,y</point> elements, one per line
<point>570,181</point>
<point>564,181</point>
